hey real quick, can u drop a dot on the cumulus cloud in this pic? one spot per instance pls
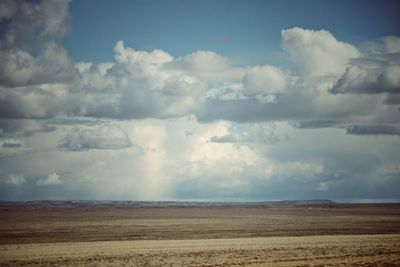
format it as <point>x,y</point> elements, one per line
<point>265,80</point>
<point>208,66</point>
<point>33,63</point>
<point>15,179</point>
<point>29,52</point>
<point>138,85</point>
<point>305,98</point>
<point>386,45</point>
<point>391,44</point>
<point>153,84</point>
<point>147,88</point>
<point>38,102</point>
<point>374,73</point>
<point>31,24</point>
<point>102,137</point>
<point>317,53</point>
<point>52,65</point>
<point>40,81</point>
<point>51,179</point>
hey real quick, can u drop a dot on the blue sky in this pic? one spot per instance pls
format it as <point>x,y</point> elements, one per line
<point>246,29</point>
<point>200,100</point>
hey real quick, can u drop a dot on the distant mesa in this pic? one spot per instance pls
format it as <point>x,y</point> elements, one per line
<point>139,204</point>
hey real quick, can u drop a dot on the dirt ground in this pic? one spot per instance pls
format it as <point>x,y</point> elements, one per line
<point>350,250</point>
<point>206,235</point>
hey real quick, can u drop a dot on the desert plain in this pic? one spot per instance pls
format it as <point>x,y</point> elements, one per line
<point>127,233</point>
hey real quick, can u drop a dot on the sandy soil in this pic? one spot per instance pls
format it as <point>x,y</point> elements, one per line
<point>339,250</point>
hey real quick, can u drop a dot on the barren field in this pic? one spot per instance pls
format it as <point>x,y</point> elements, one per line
<point>361,250</point>
<point>195,234</point>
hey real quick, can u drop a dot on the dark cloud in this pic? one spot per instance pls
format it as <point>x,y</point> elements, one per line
<point>52,65</point>
<point>311,124</point>
<point>373,130</point>
<point>73,121</point>
<point>288,107</point>
<point>29,53</point>
<point>23,127</point>
<point>101,137</point>
<point>32,62</point>
<point>392,99</point>
<point>30,24</point>
<point>374,73</point>
<point>9,147</point>
<point>12,144</point>
<point>361,79</point>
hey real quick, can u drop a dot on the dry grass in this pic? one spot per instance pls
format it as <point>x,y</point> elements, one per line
<point>350,250</point>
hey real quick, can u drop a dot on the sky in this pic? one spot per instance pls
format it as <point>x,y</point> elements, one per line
<point>200,100</point>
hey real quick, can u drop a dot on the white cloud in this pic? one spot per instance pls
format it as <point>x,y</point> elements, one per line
<point>265,80</point>
<point>140,85</point>
<point>15,179</point>
<point>317,53</point>
<point>386,45</point>
<point>51,179</point>
<point>211,68</point>
<point>391,44</point>
<point>130,56</point>
<point>220,166</point>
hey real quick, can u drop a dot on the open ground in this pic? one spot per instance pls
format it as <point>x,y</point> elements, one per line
<point>199,234</point>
